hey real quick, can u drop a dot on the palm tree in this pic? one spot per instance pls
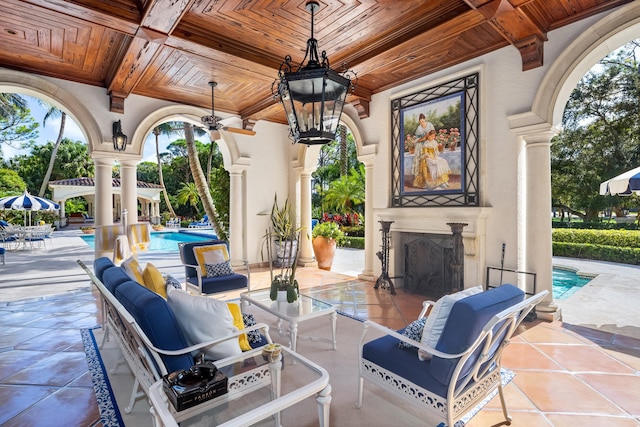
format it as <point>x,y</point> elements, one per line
<point>52,112</point>
<point>9,101</point>
<point>201,182</point>
<point>347,192</point>
<point>188,195</point>
<point>165,129</point>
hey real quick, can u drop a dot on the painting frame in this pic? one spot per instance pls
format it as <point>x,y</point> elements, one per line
<point>443,168</point>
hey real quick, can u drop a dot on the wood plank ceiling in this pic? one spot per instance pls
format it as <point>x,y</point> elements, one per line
<point>171,49</point>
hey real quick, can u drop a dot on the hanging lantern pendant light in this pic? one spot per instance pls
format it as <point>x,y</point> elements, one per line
<point>314,95</point>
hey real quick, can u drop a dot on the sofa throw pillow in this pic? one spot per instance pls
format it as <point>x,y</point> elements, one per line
<point>413,331</point>
<point>239,324</point>
<point>437,318</point>
<point>217,270</point>
<point>169,280</point>
<point>133,269</point>
<point>204,319</point>
<point>212,254</point>
<point>153,280</point>
<point>254,337</point>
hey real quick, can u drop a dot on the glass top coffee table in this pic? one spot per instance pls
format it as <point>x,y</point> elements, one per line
<point>258,392</point>
<point>304,308</point>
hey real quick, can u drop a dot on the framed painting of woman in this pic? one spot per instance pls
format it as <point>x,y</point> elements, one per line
<point>435,146</point>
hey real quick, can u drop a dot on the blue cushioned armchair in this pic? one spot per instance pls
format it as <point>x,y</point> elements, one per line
<point>465,363</point>
<point>211,285</point>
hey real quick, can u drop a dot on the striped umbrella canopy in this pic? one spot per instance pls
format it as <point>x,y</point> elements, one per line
<point>623,185</point>
<point>27,203</point>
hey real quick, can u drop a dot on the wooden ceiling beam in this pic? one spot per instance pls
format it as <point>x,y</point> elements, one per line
<point>516,27</point>
<point>158,21</point>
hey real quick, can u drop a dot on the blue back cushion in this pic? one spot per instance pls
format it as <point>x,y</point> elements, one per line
<point>465,323</point>
<point>188,256</point>
<point>100,265</point>
<point>154,316</point>
<point>114,277</point>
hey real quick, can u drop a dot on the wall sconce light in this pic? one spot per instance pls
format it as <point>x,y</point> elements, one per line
<point>119,138</point>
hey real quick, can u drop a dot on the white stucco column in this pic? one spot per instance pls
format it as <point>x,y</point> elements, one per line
<point>104,191</point>
<point>237,195</point>
<point>129,189</point>
<point>306,249</point>
<point>370,224</point>
<point>537,214</point>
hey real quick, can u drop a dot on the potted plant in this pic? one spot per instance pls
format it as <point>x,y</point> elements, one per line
<point>325,239</point>
<point>284,233</point>
<point>88,229</point>
<point>284,286</point>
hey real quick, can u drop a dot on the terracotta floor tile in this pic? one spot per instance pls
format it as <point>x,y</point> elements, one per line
<point>16,399</point>
<point>520,355</point>
<point>80,409</point>
<point>52,340</point>
<point>581,358</point>
<point>572,420</point>
<point>12,336</point>
<point>492,417</point>
<point>624,390</point>
<point>57,320</point>
<point>562,392</point>
<point>16,360</point>
<point>630,357</point>
<point>543,333</point>
<point>57,370</point>
<point>516,400</point>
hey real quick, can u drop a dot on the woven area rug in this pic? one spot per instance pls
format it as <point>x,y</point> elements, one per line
<point>109,412</point>
<point>379,407</point>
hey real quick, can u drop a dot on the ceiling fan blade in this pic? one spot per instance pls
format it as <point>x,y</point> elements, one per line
<point>240,131</point>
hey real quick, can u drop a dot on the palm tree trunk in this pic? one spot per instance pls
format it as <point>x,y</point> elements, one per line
<point>54,152</point>
<point>343,150</point>
<point>201,182</point>
<point>156,132</point>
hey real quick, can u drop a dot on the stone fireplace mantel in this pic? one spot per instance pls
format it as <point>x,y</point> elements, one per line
<point>434,221</point>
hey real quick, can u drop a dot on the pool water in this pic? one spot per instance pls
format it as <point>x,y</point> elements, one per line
<point>162,241</point>
<point>566,283</point>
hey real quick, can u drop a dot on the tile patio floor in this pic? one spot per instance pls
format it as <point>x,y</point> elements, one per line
<point>566,374</point>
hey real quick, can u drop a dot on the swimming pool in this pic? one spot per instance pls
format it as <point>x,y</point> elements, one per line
<point>164,241</point>
<point>567,282</point>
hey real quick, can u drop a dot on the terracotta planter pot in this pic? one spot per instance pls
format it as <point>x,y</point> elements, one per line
<point>324,249</point>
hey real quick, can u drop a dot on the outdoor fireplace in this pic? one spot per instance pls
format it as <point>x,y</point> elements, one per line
<point>432,264</point>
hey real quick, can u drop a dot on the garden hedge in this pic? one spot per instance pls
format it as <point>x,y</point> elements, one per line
<point>621,246</point>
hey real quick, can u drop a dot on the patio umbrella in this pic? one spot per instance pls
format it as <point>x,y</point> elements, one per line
<point>623,185</point>
<point>27,203</point>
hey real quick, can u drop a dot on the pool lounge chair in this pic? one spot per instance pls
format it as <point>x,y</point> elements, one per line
<point>139,237</point>
<point>173,223</point>
<point>203,223</point>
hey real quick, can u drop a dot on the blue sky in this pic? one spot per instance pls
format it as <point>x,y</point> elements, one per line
<point>72,131</point>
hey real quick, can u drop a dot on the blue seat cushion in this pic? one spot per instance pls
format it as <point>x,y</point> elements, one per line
<point>154,316</point>
<point>402,362</point>
<point>114,277</point>
<point>212,285</point>
<point>465,323</point>
<point>100,265</point>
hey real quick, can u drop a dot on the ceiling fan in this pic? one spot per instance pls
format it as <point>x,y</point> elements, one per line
<point>214,123</point>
